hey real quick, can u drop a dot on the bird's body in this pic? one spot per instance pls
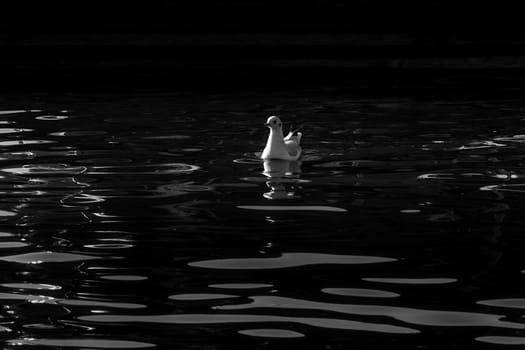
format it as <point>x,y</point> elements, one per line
<point>280,147</point>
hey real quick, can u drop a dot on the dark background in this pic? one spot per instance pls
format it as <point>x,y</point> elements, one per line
<point>222,45</point>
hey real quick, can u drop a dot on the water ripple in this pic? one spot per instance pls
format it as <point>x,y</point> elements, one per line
<point>516,303</point>
<point>514,138</point>
<point>201,296</point>
<point>5,213</point>
<point>13,130</point>
<point>13,111</point>
<point>78,133</point>
<point>292,208</point>
<point>288,260</point>
<point>43,299</point>
<point>95,303</point>
<point>145,169</point>
<point>241,318</point>
<point>37,286</point>
<point>241,285</point>
<point>271,333</point>
<point>409,315</point>
<point>91,343</point>
<point>412,280</point>
<point>23,142</point>
<point>45,169</point>
<point>501,340</point>
<point>516,188</point>
<point>46,257</point>
<point>52,117</point>
<point>167,137</point>
<point>359,292</point>
<point>129,278</point>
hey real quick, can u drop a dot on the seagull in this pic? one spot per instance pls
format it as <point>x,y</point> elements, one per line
<point>279,147</point>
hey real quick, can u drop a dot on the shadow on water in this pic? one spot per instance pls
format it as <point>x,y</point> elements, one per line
<point>149,221</point>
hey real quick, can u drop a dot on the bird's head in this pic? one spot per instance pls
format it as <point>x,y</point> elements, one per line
<point>274,122</point>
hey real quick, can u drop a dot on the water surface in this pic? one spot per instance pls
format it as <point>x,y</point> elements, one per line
<point>141,221</point>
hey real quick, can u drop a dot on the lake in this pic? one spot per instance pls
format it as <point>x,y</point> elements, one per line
<point>135,221</point>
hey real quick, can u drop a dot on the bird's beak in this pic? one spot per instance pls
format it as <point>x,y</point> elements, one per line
<point>266,124</point>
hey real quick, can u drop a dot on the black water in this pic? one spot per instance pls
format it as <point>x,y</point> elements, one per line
<point>135,221</point>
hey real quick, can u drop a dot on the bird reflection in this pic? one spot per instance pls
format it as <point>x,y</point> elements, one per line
<point>282,175</point>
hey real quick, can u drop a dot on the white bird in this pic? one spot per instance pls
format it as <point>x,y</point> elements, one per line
<point>278,146</point>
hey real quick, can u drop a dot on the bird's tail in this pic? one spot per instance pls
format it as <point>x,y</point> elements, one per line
<point>294,134</point>
<point>299,135</point>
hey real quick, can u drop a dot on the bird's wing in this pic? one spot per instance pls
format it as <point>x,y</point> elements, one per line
<point>292,147</point>
<point>293,136</point>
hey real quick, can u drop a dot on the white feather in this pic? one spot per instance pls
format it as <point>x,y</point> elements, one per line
<point>279,147</point>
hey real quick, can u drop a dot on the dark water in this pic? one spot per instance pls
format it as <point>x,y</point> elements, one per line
<point>147,220</point>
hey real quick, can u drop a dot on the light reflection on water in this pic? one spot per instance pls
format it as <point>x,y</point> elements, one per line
<point>141,221</point>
